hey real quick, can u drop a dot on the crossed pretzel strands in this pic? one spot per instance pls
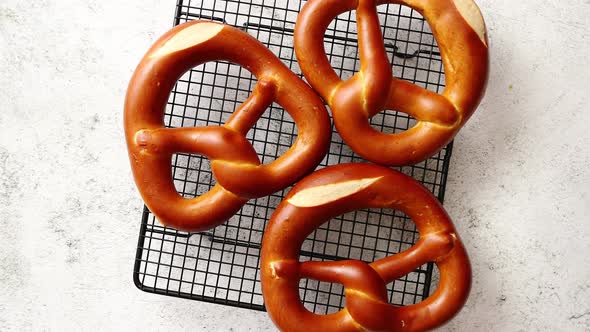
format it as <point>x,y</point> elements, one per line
<point>459,29</point>
<point>339,189</point>
<point>234,162</point>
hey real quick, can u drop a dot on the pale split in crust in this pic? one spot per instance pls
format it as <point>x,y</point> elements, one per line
<point>327,193</point>
<point>189,37</point>
<point>473,17</point>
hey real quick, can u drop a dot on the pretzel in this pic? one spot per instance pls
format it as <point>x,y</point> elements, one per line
<point>339,189</point>
<point>234,162</point>
<point>459,29</point>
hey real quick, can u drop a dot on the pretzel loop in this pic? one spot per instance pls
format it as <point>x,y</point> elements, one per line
<point>457,26</point>
<point>339,189</point>
<point>234,162</point>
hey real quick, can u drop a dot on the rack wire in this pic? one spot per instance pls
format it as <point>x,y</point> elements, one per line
<point>222,265</point>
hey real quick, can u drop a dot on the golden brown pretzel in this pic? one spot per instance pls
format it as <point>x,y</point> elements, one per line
<point>340,189</point>
<point>234,162</point>
<point>459,29</point>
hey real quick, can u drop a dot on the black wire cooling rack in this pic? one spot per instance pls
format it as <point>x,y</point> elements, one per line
<point>222,265</point>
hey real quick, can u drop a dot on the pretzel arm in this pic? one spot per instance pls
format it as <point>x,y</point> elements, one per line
<point>427,249</point>
<point>209,141</point>
<point>354,275</point>
<point>245,117</point>
<point>375,68</point>
<point>422,104</point>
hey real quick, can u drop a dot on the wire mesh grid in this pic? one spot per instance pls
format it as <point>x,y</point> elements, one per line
<point>222,265</point>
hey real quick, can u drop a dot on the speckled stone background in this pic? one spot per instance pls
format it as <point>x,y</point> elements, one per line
<point>519,186</point>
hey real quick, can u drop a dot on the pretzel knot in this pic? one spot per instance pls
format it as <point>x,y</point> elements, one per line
<point>234,162</point>
<point>459,29</point>
<point>339,189</point>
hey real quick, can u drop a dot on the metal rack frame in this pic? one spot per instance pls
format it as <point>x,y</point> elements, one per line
<point>222,265</point>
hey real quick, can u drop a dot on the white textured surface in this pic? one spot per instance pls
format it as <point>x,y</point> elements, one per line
<point>519,187</point>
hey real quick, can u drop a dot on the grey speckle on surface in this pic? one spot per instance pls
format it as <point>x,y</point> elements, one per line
<point>518,191</point>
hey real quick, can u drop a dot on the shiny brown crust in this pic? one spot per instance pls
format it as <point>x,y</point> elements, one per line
<point>458,28</point>
<point>234,162</point>
<point>334,191</point>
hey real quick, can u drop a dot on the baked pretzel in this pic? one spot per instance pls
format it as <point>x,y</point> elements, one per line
<point>339,189</point>
<point>234,162</point>
<point>459,29</point>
